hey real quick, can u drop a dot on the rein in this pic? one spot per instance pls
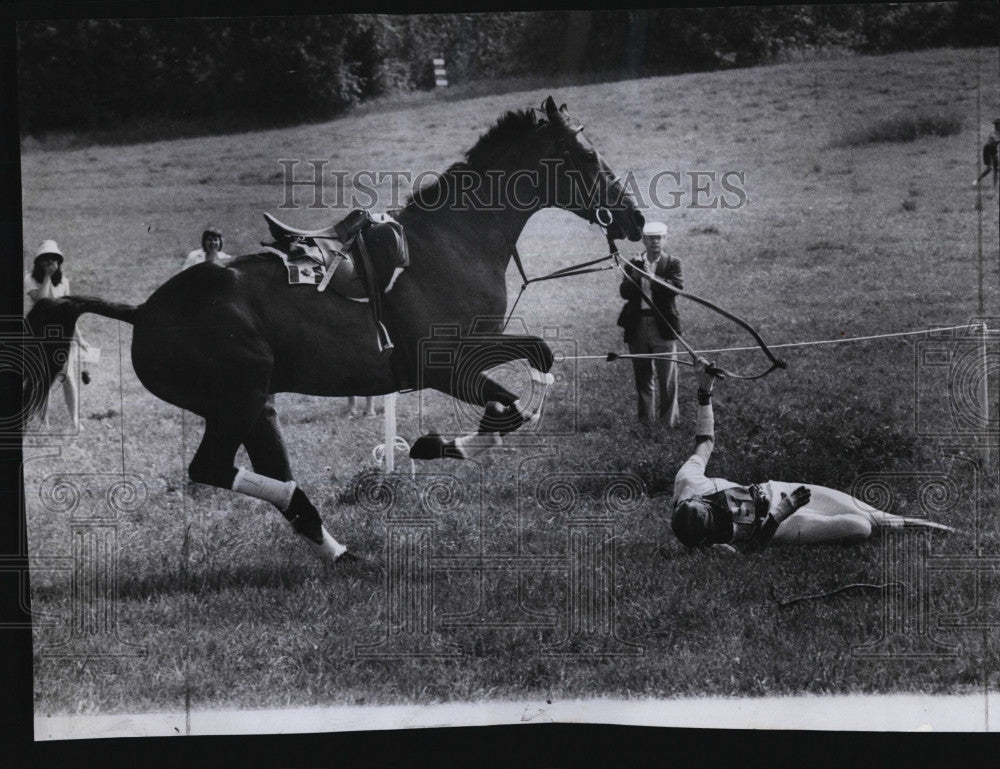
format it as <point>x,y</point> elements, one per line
<point>573,270</point>
<point>598,215</point>
<point>776,362</point>
<point>584,268</point>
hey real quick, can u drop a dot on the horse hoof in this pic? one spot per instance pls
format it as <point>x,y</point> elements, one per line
<point>430,446</point>
<point>348,557</point>
<point>329,550</point>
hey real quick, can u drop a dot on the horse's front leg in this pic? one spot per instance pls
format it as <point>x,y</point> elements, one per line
<point>505,411</point>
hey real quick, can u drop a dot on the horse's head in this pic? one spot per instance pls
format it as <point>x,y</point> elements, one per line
<point>531,159</point>
<point>583,183</point>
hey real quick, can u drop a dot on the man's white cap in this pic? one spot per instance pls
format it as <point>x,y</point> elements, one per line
<point>49,247</point>
<point>654,228</point>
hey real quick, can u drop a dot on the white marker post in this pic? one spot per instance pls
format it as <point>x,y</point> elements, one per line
<point>389,434</point>
<point>987,454</point>
<point>440,74</point>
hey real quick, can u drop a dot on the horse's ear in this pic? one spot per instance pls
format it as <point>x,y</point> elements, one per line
<point>557,117</point>
<point>562,108</point>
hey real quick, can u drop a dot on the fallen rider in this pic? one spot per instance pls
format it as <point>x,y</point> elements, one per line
<point>714,512</point>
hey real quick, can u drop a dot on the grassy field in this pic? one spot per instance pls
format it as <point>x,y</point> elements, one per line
<point>838,239</point>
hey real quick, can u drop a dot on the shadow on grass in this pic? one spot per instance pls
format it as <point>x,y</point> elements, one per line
<point>232,576</point>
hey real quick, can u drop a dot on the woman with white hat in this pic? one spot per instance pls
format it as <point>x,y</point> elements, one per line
<point>46,281</point>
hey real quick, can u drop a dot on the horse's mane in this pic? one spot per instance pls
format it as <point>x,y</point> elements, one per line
<point>509,127</point>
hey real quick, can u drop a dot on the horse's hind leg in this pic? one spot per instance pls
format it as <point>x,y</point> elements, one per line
<point>266,447</point>
<point>213,464</point>
<point>267,452</point>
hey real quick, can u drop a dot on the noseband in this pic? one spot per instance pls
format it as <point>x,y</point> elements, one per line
<point>599,215</point>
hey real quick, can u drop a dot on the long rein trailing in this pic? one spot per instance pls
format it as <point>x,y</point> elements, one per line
<point>776,362</point>
<point>589,266</point>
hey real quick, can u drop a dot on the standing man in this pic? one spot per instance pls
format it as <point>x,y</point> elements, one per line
<point>210,251</point>
<point>991,155</point>
<point>653,331</point>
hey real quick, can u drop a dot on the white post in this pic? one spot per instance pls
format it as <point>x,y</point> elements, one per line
<point>440,73</point>
<point>389,434</point>
<point>987,454</point>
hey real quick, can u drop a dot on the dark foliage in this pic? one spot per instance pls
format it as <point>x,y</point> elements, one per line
<point>95,76</point>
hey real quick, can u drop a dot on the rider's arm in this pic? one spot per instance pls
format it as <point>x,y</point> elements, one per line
<point>704,433</point>
<point>779,513</point>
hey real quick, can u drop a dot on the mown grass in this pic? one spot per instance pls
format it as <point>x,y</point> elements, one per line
<point>232,611</point>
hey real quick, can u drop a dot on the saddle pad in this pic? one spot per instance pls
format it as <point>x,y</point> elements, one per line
<point>304,269</point>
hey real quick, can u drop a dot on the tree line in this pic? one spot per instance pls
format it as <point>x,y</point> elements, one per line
<point>97,74</point>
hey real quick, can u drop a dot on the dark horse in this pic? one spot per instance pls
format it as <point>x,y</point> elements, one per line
<point>218,341</point>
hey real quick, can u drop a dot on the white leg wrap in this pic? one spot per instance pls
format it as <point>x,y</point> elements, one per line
<point>330,550</point>
<point>544,379</point>
<point>540,384</point>
<point>704,423</point>
<point>475,444</point>
<point>530,413</point>
<point>278,493</point>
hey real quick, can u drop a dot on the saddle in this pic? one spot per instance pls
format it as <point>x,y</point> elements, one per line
<point>360,257</point>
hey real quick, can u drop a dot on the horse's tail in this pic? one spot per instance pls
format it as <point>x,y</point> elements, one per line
<point>51,326</point>
<point>70,308</point>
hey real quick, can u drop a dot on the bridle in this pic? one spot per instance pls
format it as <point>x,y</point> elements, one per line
<point>603,218</point>
<point>599,215</point>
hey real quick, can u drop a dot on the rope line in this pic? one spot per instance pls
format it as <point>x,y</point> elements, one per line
<point>121,393</point>
<point>666,356</point>
<point>398,442</point>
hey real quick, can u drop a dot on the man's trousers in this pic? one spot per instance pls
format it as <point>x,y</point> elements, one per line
<point>647,340</point>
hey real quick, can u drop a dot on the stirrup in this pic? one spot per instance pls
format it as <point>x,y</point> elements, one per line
<point>385,345</point>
